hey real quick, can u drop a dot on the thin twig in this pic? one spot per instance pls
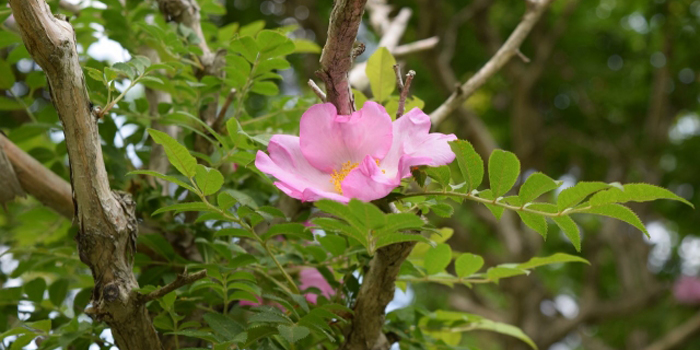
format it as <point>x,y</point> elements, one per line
<point>180,281</point>
<point>404,93</point>
<point>399,79</point>
<point>219,122</point>
<point>317,90</point>
<point>522,56</point>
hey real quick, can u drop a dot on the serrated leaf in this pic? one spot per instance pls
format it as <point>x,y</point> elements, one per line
<point>246,46</point>
<point>209,180</point>
<point>340,210</point>
<point>536,185</point>
<point>400,221</point>
<point>95,74</point>
<point>266,88</point>
<point>557,258</point>
<point>381,75</point>
<point>619,212</point>
<point>535,222</point>
<point>270,317</point>
<point>290,228</point>
<point>443,210</point>
<point>637,192</point>
<point>392,238</point>
<point>343,228</point>
<point>367,213</point>
<point>470,163</point>
<point>306,46</point>
<point>125,69</point>
<point>180,207</point>
<point>467,264</point>
<point>506,329</point>
<point>177,154</point>
<point>440,174</point>
<point>223,325</point>
<point>570,229</point>
<point>504,168</point>
<point>574,195</point>
<point>293,333</point>
<point>164,177</point>
<point>437,258</point>
<point>495,210</point>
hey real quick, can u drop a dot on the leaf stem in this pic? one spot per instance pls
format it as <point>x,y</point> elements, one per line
<point>495,202</point>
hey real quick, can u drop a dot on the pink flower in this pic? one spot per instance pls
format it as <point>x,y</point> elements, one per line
<point>363,155</point>
<point>312,278</point>
<point>686,290</point>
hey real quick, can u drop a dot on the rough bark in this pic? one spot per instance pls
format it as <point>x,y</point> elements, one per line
<point>107,228</point>
<point>376,292</point>
<point>337,55</point>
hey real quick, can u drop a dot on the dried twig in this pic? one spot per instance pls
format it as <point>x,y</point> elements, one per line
<point>219,122</point>
<point>504,54</point>
<point>317,90</point>
<point>399,78</point>
<point>404,93</point>
<point>180,281</point>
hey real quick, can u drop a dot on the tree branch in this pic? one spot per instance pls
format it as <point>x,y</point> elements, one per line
<point>180,281</point>
<point>38,180</point>
<point>376,292</point>
<point>107,228</point>
<point>11,187</point>
<point>678,335</point>
<point>509,49</point>
<point>336,58</point>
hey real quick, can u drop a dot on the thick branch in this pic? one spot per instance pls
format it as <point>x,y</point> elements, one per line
<point>336,59</point>
<point>39,181</point>
<point>376,292</point>
<point>11,187</point>
<point>509,49</point>
<point>107,228</point>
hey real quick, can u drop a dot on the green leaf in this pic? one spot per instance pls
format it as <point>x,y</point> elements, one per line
<point>58,291</point>
<point>177,154</point>
<point>637,192</point>
<point>125,69</point>
<point>164,177</point>
<point>570,229</point>
<point>437,258</point>
<point>35,289</point>
<point>273,44</point>
<point>506,329</point>
<point>293,333</point>
<point>440,174</point>
<point>504,168</point>
<point>619,212</point>
<point>43,325</point>
<point>367,213</point>
<point>235,232</point>
<point>243,198</point>
<point>96,74</point>
<point>535,222</point>
<point>340,210</point>
<point>273,63</point>
<point>400,221</point>
<point>574,195</point>
<point>180,207</point>
<point>7,78</point>
<point>470,163</point>
<point>496,273</point>
<point>380,72</point>
<point>246,46</point>
<point>209,180</point>
<point>290,228</point>
<point>536,185</point>
<point>270,317</point>
<point>306,46</point>
<point>495,210</point>
<point>360,98</point>
<point>467,264</point>
<point>266,88</point>
<point>340,227</point>
<point>552,259</point>
<point>223,325</point>
<point>336,245</point>
<point>392,238</point>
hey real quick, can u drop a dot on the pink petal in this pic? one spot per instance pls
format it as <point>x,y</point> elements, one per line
<point>310,277</point>
<point>414,145</point>
<point>296,177</point>
<point>686,290</point>
<point>367,182</point>
<point>329,140</point>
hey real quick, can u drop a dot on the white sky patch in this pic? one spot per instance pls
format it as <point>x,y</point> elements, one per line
<point>401,299</point>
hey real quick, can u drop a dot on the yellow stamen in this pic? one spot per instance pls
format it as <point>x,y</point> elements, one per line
<point>338,176</point>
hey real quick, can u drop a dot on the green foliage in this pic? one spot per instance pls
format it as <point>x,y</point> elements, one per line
<point>380,72</point>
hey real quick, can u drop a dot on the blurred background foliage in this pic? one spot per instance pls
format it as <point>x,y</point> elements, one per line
<point>610,93</point>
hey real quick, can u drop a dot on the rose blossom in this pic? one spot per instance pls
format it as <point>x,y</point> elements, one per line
<point>363,155</point>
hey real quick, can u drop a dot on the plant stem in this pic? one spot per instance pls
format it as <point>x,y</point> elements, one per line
<point>496,203</point>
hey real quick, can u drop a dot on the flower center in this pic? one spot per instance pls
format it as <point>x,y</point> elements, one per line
<point>338,176</point>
